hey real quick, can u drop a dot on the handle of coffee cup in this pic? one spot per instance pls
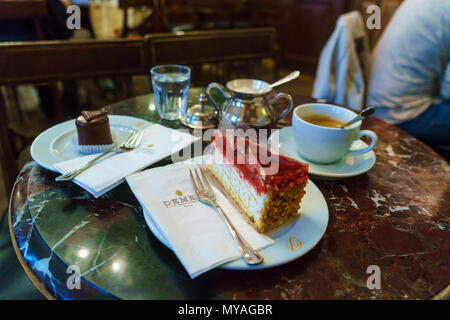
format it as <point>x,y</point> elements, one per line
<point>210,97</point>
<point>373,138</point>
<point>286,96</point>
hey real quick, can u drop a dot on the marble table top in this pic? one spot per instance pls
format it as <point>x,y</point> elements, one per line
<point>396,217</point>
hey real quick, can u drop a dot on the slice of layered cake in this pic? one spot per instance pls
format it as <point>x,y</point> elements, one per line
<point>267,194</point>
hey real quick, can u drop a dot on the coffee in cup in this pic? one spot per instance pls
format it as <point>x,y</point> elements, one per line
<point>318,135</point>
<point>323,120</point>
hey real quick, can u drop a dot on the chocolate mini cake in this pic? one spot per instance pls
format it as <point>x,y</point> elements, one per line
<point>93,128</point>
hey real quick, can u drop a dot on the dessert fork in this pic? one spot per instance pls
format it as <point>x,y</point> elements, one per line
<point>205,194</point>
<point>130,144</point>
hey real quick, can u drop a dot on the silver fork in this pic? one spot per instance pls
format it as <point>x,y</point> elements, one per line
<point>205,194</point>
<point>130,144</point>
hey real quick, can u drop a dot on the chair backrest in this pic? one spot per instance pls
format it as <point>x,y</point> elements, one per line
<point>211,46</point>
<point>215,46</point>
<point>45,61</point>
<point>50,61</point>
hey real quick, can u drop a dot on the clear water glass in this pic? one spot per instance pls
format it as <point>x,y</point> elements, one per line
<point>170,88</point>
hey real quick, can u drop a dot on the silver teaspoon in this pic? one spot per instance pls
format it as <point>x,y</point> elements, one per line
<point>367,112</point>
<point>293,75</point>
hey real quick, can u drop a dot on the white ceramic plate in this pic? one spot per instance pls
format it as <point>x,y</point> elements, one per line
<point>293,239</point>
<point>347,167</point>
<point>56,143</point>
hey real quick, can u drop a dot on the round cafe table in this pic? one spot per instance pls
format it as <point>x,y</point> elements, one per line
<point>396,216</point>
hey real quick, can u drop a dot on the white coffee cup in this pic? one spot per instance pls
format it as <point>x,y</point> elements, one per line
<point>323,144</point>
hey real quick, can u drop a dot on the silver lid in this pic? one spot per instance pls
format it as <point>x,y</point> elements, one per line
<point>200,116</point>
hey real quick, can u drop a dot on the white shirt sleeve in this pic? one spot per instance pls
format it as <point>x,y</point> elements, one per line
<point>410,59</point>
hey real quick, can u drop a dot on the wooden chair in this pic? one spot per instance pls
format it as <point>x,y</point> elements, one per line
<point>214,48</point>
<point>47,61</point>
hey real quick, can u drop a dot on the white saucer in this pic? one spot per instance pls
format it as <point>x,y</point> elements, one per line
<point>347,167</point>
<point>56,143</point>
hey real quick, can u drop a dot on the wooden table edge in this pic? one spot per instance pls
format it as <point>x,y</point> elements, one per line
<point>31,276</point>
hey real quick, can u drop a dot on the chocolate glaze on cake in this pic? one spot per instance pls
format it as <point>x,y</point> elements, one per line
<point>93,128</point>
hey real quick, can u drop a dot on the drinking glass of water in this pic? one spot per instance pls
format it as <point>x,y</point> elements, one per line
<point>170,88</point>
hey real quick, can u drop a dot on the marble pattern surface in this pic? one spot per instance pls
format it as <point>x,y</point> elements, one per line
<point>396,216</point>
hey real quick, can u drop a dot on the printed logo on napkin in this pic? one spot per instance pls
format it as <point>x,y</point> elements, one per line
<point>181,200</point>
<point>147,148</point>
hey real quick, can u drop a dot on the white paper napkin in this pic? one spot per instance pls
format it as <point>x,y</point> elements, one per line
<point>195,231</point>
<point>157,143</point>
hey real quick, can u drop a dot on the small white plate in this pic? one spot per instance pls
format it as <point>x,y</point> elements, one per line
<point>293,239</point>
<point>56,143</point>
<point>347,167</point>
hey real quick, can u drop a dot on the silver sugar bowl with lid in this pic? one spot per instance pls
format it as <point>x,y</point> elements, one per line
<point>201,115</point>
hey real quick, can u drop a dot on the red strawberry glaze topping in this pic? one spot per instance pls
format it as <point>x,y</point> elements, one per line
<point>264,170</point>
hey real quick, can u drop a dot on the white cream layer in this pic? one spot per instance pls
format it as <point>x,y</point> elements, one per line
<point>228,175</point>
